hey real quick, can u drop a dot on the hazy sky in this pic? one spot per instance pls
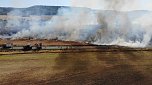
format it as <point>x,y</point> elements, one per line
<point>27,3</point>
<point>95,4</point>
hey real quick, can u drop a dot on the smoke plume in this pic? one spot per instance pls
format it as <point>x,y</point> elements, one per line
<point>118,29</point>
<point>69,24</point>
<point>83,24</point>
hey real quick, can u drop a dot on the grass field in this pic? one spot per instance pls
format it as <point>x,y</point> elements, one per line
<point>85,68</point>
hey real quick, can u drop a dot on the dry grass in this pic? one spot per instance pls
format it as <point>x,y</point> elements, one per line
<point>93,68</point>
<point>23,42</point>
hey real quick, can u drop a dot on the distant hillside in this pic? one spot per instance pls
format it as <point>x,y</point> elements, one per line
<point>4,11</point>
<point>52,10</point>
<point>34,10</point>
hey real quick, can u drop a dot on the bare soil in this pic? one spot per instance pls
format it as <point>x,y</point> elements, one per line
<point>23,42</point>
<point>85,68</point>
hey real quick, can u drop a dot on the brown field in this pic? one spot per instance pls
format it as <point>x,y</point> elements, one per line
<point>85,68</point>
<point>23,42</point>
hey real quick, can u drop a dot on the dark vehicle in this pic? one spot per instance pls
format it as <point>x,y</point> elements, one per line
<point>27,48</point>
<point>38,46</point>
<point>6,46</point>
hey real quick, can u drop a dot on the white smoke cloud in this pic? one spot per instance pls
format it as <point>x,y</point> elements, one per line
<point>145,23</point>
<point>123,5</point>
<point>118,29</point>
<point>81,24</point>
<point>87,3</point>
<point>67,25</point>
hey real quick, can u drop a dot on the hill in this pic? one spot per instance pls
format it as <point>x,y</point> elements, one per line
<point>34,10</point>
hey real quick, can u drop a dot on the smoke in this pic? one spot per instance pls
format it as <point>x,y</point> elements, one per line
<point>123,5</point>
<point>74,24</point>
<point>118,29</point>
<point>115,4</point>
<point>145,23</point>
<point>82,24</point>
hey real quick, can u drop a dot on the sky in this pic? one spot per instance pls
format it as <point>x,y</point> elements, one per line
<point>94,4</point>
<point>27,3</point>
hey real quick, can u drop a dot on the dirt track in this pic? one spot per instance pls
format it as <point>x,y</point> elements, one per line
<point>108,68</point>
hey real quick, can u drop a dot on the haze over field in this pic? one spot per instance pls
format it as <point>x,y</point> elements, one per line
<point>115,25</point>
